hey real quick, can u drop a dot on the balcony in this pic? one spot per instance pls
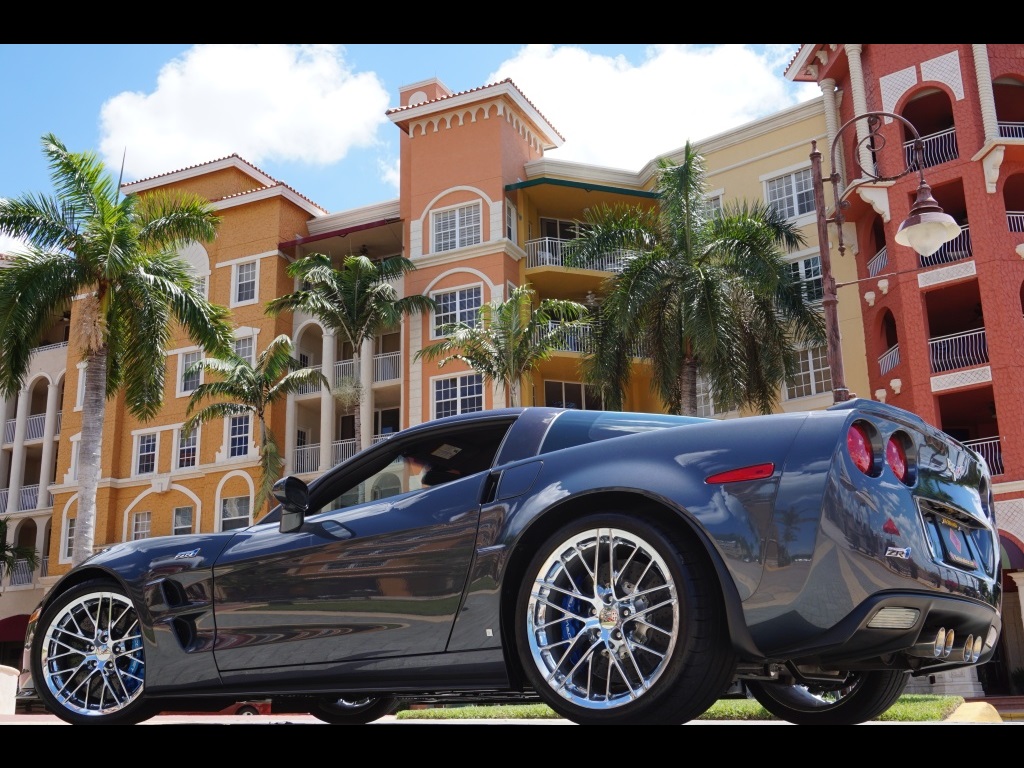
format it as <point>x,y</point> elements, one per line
<point>551,252</point>
<point>346,369</point>
<point>938,148</point>
<point>889,360</point>
<point>1015,221</point>
<point>309,389</point>
<point>306,459</point>
<point>991,451</point>
<point>878,262</point>
<point>958,350</point>
<point>957,249</point>
<point>1011,130</point>
<point>342,450</point>
<point>387,366</point>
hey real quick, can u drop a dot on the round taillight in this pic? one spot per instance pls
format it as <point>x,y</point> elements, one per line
<point>896,458</point>
<point>859,446</point>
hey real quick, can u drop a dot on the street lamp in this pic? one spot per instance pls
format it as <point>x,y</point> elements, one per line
<point>925,230</point>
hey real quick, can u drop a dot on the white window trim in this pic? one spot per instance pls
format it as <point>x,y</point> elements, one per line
<point>179,391</point>
<point>224,454</point>
<point>176,444</point>
<point>80,392</point>
<point>801,219</point>
<point>452,289</point>
<point>136,519</point>
<point>234,283</point>
<point>72,474</point>
<point>192,525</point>
<point>434,212</point>
<point>67,539</point>
<point>136,440</point>
<point>220,510</point>
<point>433,391</point>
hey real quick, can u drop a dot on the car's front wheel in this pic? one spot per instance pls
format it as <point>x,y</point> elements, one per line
<point>353,710</point>
<point>88,660</point>
<point>618,621</point>
<point>860,697</point>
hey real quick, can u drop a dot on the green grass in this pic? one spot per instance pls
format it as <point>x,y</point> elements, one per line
<point>910,708</point>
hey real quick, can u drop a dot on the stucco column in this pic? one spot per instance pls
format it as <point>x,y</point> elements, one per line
<point>327,403</point>
<point>290,415</point>
<point>366,401</point>
<point>49,432</point>
<point>986,96</point>
<point>18,457</point>
<point>5,456</point>
<point>860,102</point>
<point>828,92</point>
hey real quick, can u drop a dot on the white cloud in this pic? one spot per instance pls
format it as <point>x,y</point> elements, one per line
<point>9,244</point>
<point>282,103</point>
<point>617,114</point>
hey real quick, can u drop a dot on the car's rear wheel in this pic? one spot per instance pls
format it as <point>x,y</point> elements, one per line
<point>619,622</point>
<point>862,696</point>
<point>88,660</point>
<point>353,710</point>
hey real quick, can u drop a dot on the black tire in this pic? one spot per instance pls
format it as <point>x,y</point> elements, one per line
<point>88,659</point>
<point>620,622</point>
<point>863,696</point>
<point>247,709</point>
<point>353,710</point>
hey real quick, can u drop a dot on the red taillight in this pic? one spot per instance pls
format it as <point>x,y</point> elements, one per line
<point>755,472</point>
<point>896,458</point>
<point>859,446</point>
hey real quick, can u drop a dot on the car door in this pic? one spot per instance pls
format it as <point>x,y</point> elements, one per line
<point>364,578</point>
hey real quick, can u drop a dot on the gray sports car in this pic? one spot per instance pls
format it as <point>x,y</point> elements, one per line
<point>620,567</point>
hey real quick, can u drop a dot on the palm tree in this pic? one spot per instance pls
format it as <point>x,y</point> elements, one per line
<point>511,338</point>
<point>356,301</point>
<point>243,388</point>
<point>702,294</point>
<point>118,257</point>
<point>12,554</point>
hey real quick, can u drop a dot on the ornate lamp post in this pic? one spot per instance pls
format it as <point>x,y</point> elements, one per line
<point>925,230</point>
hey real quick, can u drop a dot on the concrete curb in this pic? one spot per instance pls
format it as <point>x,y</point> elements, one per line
<point>975,712</point>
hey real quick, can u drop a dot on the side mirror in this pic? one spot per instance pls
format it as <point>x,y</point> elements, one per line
<point>293,494</point>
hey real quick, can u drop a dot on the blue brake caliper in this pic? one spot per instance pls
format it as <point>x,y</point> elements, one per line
<point>571,627</point>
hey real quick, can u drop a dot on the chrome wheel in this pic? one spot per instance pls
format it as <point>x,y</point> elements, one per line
<point>859,697</point>
<point>619,623</point>
<point>88,656</point>
<point>353,710</point>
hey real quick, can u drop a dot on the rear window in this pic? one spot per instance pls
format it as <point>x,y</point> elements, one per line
<point>578,427</point>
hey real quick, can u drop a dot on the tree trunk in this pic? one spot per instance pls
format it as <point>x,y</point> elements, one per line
<point>688,387</point>
<point>94,406</point>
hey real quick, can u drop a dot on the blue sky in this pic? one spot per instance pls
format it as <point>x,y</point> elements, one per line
<point>313,116</point>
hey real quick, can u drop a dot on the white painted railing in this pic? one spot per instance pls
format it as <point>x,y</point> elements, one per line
<point>345,369</point>
<point>45,347</point>
<point>1015,221</point>
<point>3,500</point>
<point>957,249</point>
<point>1011,130</point>
<point>878,262</point>
<point>387,366</point>
<point>958,350</point>
<point>309,389</point>
<point>890,359</point>
<point>29,496</point>
<point>34,426</point>
<point>937,148</point>
<point>990,449</point>
<point>342,450</point>
<point>551,252</point>
<point>307,459</point>
<point>21,574</point>
<point>9,427</point>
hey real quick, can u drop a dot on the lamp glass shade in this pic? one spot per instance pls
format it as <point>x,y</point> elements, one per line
<point>927,232</point>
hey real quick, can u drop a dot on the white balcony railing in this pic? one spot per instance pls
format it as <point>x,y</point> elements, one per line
<point>3,500</point>
<point>937,148</point>
<point>890,359</point>
<point>21,574</point>
<point>345,369</point>
<point>387,366</point>
<point>1015,221</point>
<point>958,350</point>
<point>307,458</point>
<point>9,427</point>
<point>878,262</point>
<point>309,389</point>
<point>551,252</point>
<point>1011,130</point>
<point>990,449</point>
<point>45,347</point>
<point>342,450</point>
<point>34,427</point>
<point>957,249</point>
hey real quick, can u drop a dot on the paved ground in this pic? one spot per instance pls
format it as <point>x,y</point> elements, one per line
<point>970,713</point>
